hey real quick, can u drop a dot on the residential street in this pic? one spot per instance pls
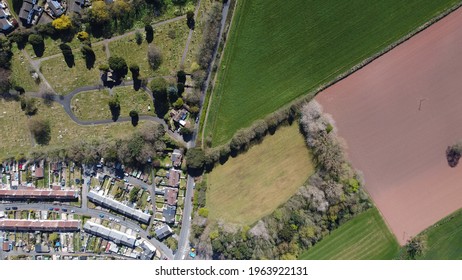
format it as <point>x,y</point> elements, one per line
<point>93,213</point>
<point>183,242</point>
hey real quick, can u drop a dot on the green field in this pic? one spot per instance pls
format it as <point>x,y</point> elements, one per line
<point>93,105</point>
<point>279,50</point>
<point>255,183</point>
<point>65,79</point>
<point>365,237</point>
<point>64,131</point>
<point>444,238</point>
<point>169,38</point>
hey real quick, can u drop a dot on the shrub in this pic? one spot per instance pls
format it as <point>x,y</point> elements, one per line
<point>453,154</point>
<point>104,67</point>
<point>83,36</point>
<point>138,38</point>
<point>36,40</point>
<point>154,57</point>
<point>204,212</point>
<point>118,65</point>
<point>62,23</point>
<point>41,130</point>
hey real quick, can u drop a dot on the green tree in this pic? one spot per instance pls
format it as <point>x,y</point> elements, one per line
<point>36,40</point>
<point>41,130</point>
<point>195,158</point>
<point>62,23</point>
<point>138,38</point>
<point>133,194</point>
<point>172,243</point>
<point>99,13</point>
<point>155,57</point>
<point>118,65</point>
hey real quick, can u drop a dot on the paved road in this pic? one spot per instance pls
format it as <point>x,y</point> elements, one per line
<point>183,242</point>
<point>93,213</point>
<point>65,101</point>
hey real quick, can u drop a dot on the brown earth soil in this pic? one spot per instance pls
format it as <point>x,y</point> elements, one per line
<point>398,115</point>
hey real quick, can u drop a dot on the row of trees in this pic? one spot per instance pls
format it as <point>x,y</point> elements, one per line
<point>332,196</point>
<point>199,161</point>
<point>5,63</point>
<point>210,36</point>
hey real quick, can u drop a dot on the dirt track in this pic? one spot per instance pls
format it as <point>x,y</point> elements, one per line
<point>399,148</point>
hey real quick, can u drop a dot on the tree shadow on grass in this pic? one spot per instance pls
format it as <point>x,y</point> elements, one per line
<point>39,49</point>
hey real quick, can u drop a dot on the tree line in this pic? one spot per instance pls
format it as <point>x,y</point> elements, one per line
<point>332,196</point>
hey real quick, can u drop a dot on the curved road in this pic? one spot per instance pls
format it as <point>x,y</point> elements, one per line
<point>65,101</point>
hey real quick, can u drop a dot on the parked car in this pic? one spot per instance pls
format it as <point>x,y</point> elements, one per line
<point>7,208</point>
<point>56,209</point>
<point>50,209</point>
<point>64,210</point>
<point>14,208</point>
<point>101,216</point>
<point>72,211</point>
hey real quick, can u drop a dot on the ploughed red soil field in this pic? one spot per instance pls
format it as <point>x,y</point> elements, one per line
<point>398,115</point>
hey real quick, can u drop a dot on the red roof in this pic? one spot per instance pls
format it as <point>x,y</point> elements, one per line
<point>6,246</point>
<point>10,224</point>
<point>38,193</point>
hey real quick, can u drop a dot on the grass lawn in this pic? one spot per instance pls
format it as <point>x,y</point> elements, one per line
<point>365,237</point>
<point>444,238</point>
<point>255,183</point>
<point>64,79</point>
<point>93,105</point>
<point>20,68</point>
<point>172,48</point>
<point>196,38</point>
<point>52,46</point>
<point>279,50</point>
<point>64,131</point>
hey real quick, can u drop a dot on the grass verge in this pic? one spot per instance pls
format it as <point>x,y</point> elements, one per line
<point>253,184</point>
<point>365,237</point>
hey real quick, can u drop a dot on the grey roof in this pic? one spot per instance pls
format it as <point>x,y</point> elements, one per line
<point>3,14</point>
<point>5,24</point>
<point>116,236</point>
<point>169,214</point>
<point>26,7</point>
<point>118,207</point>
<point>56,8</point>
<point>163,232</point>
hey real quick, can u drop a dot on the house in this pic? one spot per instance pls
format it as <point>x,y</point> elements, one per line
<point>76,6</point>
<point>115,236</point>
<point>6,247</point>
<point>30,12</point>
<point>56,9</point>
<point>170,196</point>
<point>163,232</point>
<point>148,251</point>
<point>39,225</point>
<point>174,178</point>
<point>118,207</point>
<point>38,174</point>
<point>5,25</point>
<point>169,214</point>
<point>42,248</point>
<point>179,116</point>
<point>177,156</point>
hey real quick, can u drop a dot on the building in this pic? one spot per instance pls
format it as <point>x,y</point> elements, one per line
<point>118,207</point>
<point>170,196</point>
<point>174,178</point>
<point>177,156</point>
<point>77,6</point>
<point>5,25</point>
<point>56,9</point>
<point>148,251</point>
<point>40,225</point>
<point>169,214</point>
<point>115,236</point>
<point>30,12</point>
<point>38,173</point>
<point>163,232</point>
<point>39,194</point>
<point>42,248</point>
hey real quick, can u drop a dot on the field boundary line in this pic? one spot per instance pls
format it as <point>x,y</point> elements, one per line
<point>213,83</point>
<point>311,94</point>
